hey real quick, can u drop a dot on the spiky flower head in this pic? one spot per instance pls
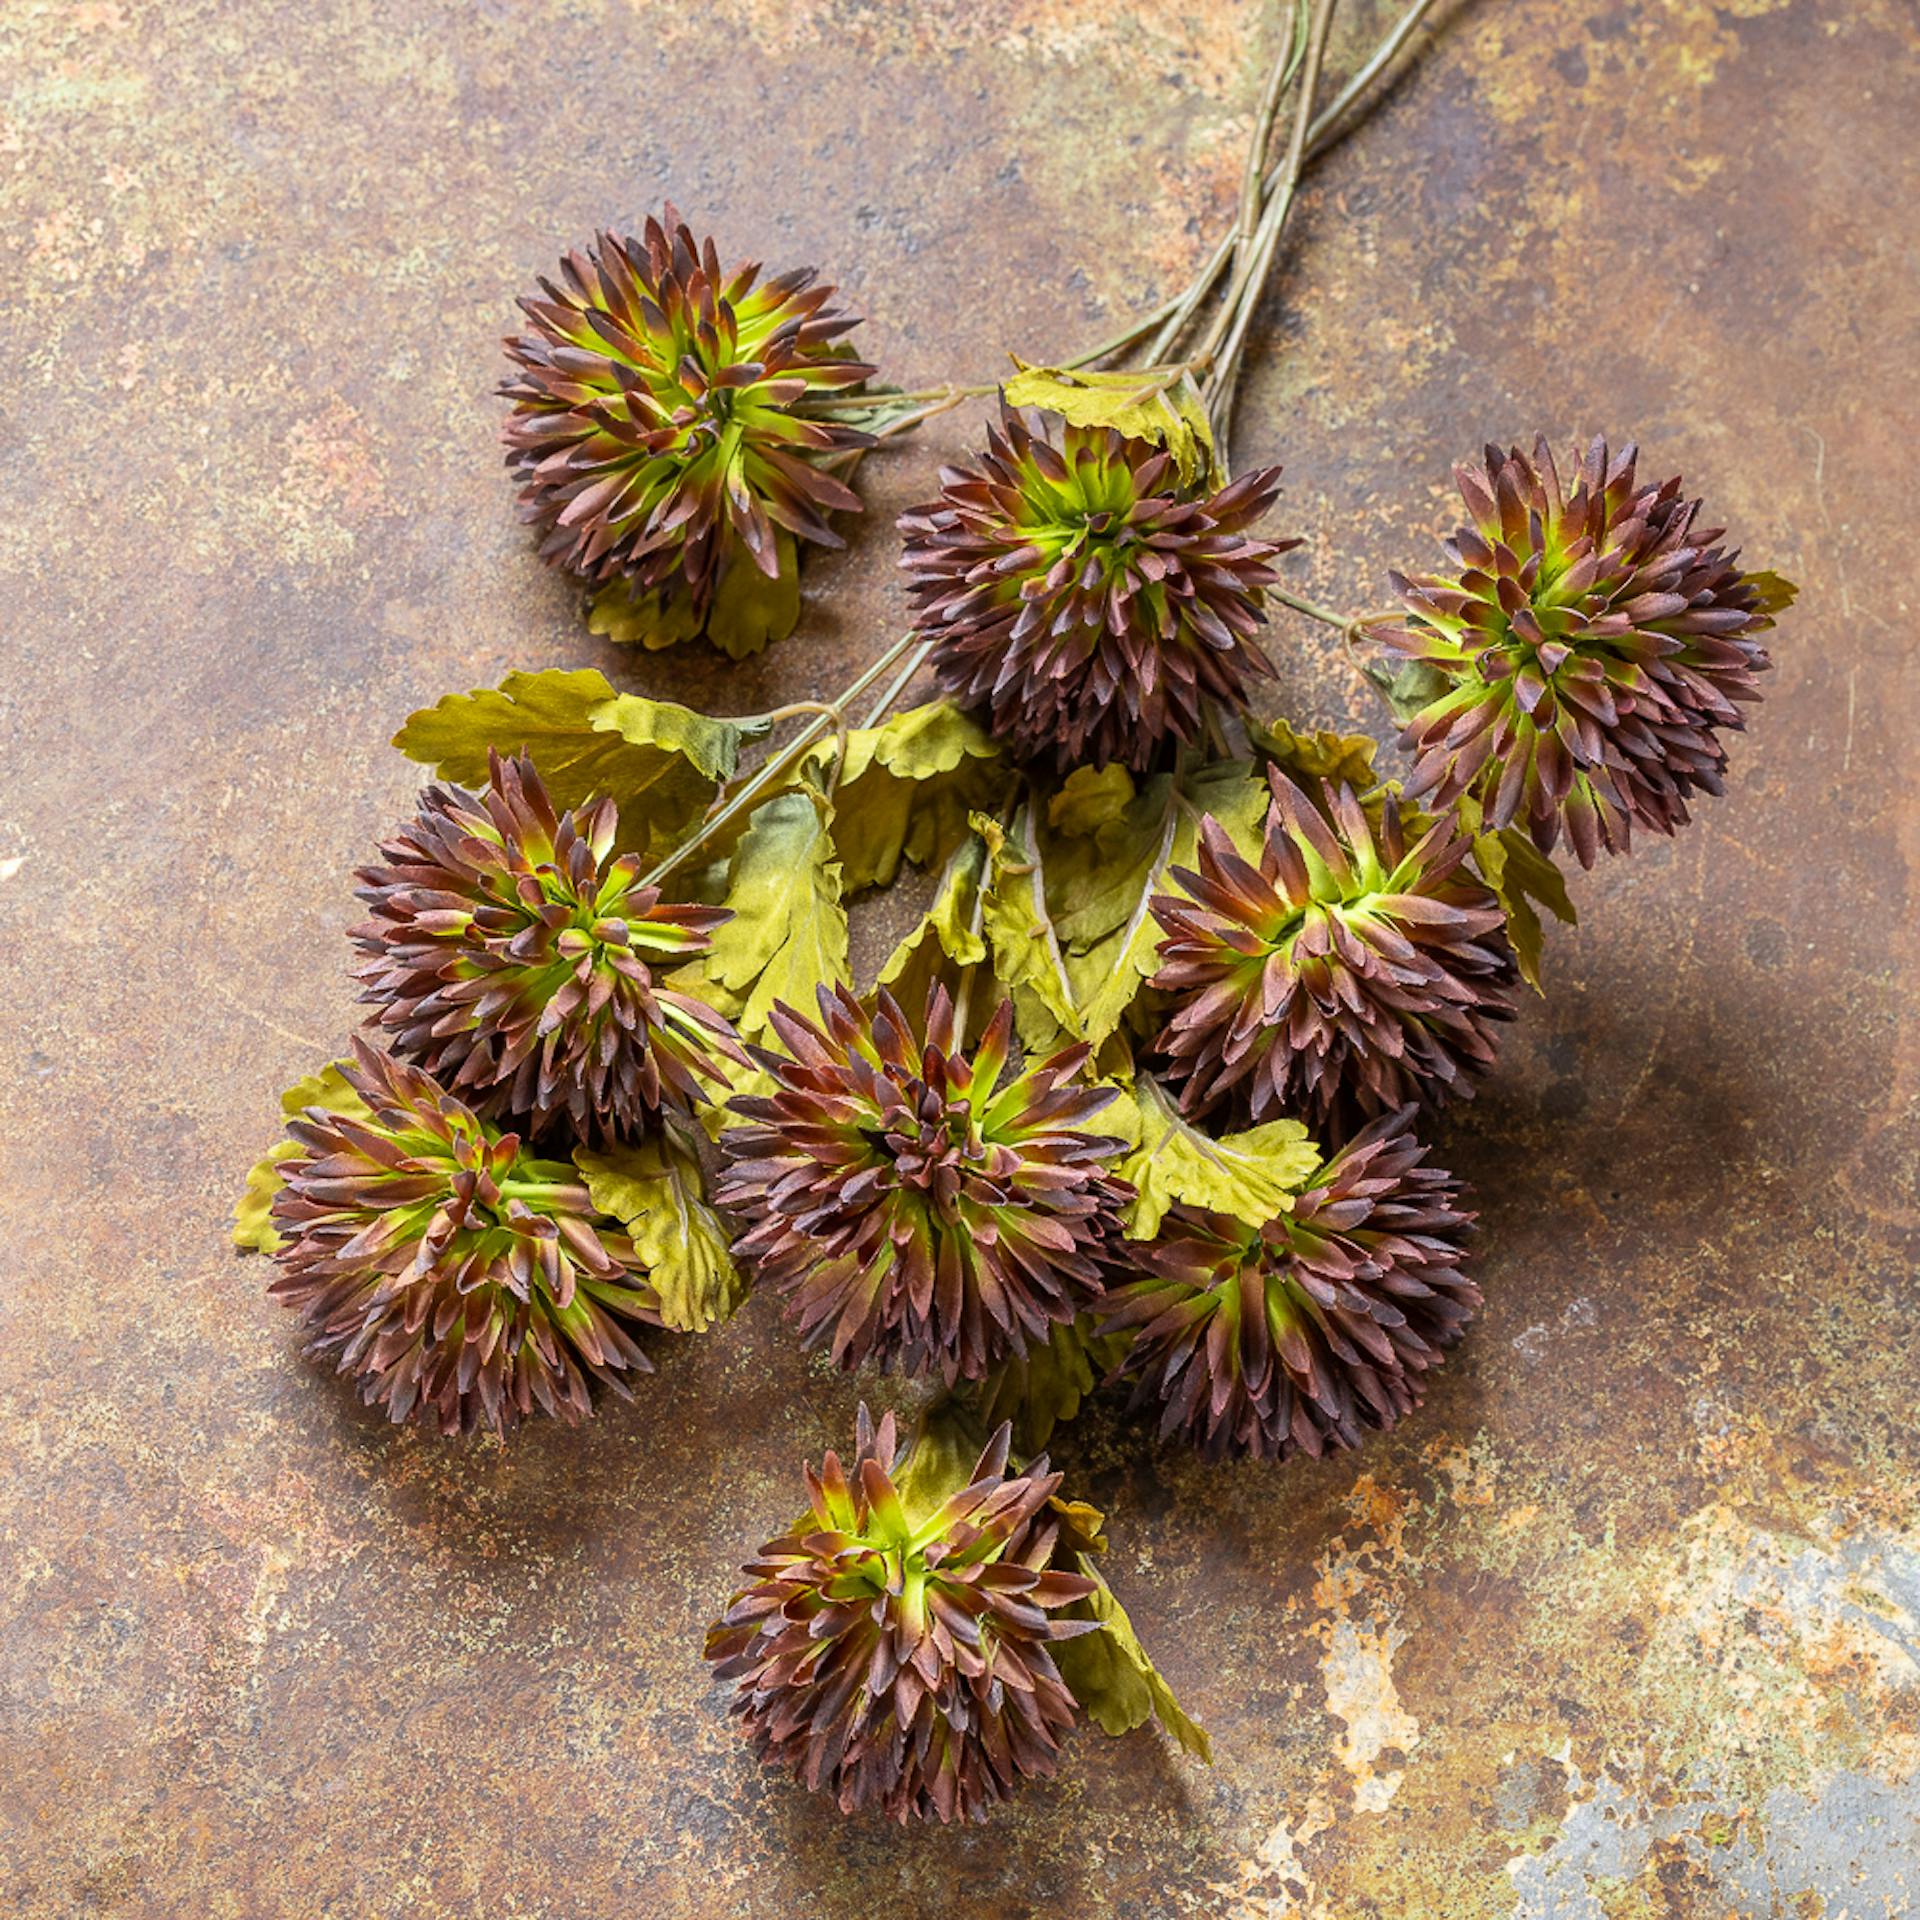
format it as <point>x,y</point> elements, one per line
<point>918,1206</point>
<point>457,1279</point>
<point>654,431</point>
<point>511,956</point>
<point>896,1652</point>
<point>1086,599</point>
<point>1358,967</point>
<point>1296,1336</point>
<point>1594,641</point>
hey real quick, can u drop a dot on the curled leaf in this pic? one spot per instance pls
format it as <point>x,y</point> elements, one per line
<point>662,763</point>
<point>1161,405</point>
<point>1026,948</point>
<point>657,1192</point>
<point>1251,1176</point>
<point>906,788</point>
<point>948,939</point>
<point>1319,755</point>
<point>1112,1678</point>
<point>253,1229</point>
<point>788,934</point>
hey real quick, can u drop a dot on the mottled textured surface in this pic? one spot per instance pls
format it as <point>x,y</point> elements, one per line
<point>1623,1624</point>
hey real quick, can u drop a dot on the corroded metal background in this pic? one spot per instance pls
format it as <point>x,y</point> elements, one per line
<point>1623,1624</point>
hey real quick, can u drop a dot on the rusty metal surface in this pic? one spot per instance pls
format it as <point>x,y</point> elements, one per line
<point>1624,1623</point>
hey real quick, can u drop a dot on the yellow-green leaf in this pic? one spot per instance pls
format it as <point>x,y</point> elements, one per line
<point>940,1460</point>
<point>1026,949</point>
<point>1112,1678</point>
<point>749,609</point>
<point>657,1193</point>
<point>1044,1387</point>
<point>1161,405</point>
<point>906,788</point>
<point>946,940</point>
<point>253,1227</point>
<point>1100,888</point>
<point>653,620</point>
<point>1777,593</point>
<point>1252,1176</point>
<point>1318,755</point>
<point>1519,874</point>
<point>1089,799</point>
<point>788,934</point>
<point>663,764</point>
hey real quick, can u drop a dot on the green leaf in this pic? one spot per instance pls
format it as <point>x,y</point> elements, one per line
<point>654,620</point>
<point>1251,1176</point>
<point>945,942</point>
<point>1089,800</point>
<point>1026,949</point>
<point>788,934</point>
<point>1417,685</point>
<point>1161,405</point>
<point>1044,1387</point>
<point>1519,874</point>
<point>663,764</point>
<point>253,1228</point>
<point>1777,593</point>
<point>1319,755</point>
<point>945,1449</point>
<point>749,609</point>
<point>657,1193</point>
<point>906,789</point>
<point>1110,1675</point>
<point>1100,888</point>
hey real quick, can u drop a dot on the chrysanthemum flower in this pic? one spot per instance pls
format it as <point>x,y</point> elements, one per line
<point>458,1280</point>
<point>1596,642</point>
<point>1085,599</point>
<point>509,955</point>
<point>1359,966</point>
<point>1299,1335</point>
<point>654,434</point>
<point>899,1658</point>
<point>917,1205</point>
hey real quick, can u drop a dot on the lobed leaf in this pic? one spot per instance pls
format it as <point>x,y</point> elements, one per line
<point>1161,405</point>
<point>1026,949</point>
<point>906,789</point>
<point>1251,1176</point>
<point>788,934</point>
<point>1319,755</point>
<point>663,764</point>
<point>1100,886</point>
<point>658,1193</point>
<point>1112,1678</point>
<point>1043,1388</point>
<point>253,1229</point>
<point>948,938</point>
<point>1519,874</point>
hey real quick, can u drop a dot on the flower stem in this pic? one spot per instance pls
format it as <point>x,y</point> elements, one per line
<point>830,716</point>
<point>1226,338</point>
<point>1352,630</point>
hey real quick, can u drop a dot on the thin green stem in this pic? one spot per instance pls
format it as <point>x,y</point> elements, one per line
<point>1226,338</point>
<point>1323,133</point>
<point>830,716</point>
<point>915,661</point>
